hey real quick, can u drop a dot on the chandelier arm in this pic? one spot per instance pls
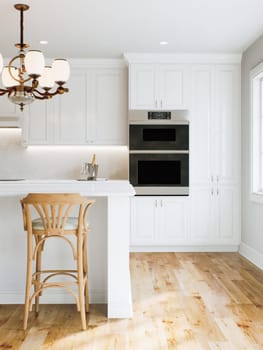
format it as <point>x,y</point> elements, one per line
<point>59,91</point>
<point>3,91</point>
<point>40,97</point>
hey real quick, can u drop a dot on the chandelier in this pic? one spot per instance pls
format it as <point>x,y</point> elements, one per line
<point>26,77</point>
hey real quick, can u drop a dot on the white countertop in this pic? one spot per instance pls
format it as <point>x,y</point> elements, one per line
<point>103,188</point>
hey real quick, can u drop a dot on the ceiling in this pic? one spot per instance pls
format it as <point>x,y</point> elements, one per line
<point>108,28</point>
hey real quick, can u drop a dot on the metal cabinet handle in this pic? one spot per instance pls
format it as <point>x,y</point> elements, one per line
<point>156,103</point>
<point>161,103</point>
<point>217,178</point>
<point>156,203</point>
<point>217,191</point>
<point>212,178</point>
<point>212,191</point>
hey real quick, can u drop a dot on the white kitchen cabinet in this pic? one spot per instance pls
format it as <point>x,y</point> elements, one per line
<point>215,216</point>
<point>7,108</point>
<point>94,111</point>
<point>39,123</point>
<point>158,86</point>
<point>71,112</point>
<point>215,155</point>
<point>107,117</point>
<point>159,221</point>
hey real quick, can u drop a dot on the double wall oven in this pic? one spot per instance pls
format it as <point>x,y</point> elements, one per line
<point>159,157</point>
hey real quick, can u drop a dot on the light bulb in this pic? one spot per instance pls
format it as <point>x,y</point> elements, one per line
<point>34,62</point>
<point>7,79</point>
<point>46,80</point>
<point>61,70</point>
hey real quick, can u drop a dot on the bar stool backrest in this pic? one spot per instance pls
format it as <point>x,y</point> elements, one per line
<point>56,212</point>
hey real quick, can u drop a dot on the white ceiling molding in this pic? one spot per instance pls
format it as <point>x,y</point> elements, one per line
<point>182,58</point>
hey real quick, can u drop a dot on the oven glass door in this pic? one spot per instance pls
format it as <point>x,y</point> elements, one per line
<point>159,169</point>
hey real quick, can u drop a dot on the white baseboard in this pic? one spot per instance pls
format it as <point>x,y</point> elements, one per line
<point>194,248</point>
<point>251,254</point>
<point>51,296</point>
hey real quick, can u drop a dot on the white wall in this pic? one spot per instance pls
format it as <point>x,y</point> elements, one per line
<point>57,162</point>
<point>252,213</point>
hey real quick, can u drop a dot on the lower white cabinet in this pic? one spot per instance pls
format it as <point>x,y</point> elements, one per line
<point>215,216</point>
<point>207,219</point>
<point>159,221</point>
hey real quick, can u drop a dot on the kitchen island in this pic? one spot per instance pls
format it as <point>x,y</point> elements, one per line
<point>108,242</point>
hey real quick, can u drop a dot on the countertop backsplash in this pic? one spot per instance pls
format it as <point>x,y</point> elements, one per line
<point>57,162</point>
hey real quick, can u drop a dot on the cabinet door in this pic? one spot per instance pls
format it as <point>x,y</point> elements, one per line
<point>173,85</point>
<point>143,221</point>
<point>39,123</point>
<point>202,146</point>
<point>173,221</point>
<point>228,124</point>
<point>228,219</point>
<point>7,108</point>
<point>71,111</point>
<point>108,119</point>
<point>142,86</point>
<point>203,212</point>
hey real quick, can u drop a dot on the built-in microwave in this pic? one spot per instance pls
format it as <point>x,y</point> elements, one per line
<point>159,137</point>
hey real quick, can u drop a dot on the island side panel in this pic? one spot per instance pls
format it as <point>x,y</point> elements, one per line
<point>119,283</point>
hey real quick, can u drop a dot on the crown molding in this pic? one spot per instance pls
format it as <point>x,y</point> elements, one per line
<point>96,62</point>
<point>182,58</point>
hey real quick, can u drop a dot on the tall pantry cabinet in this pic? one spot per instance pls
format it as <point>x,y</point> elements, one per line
<point>210,87</point>
<point>215,155</point>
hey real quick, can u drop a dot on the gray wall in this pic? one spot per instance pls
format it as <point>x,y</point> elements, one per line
<point>252,213</point>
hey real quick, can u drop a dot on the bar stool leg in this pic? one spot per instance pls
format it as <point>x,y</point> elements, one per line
<point>28,279</point>
<point>80,283</point>
<point>85,271</point>
<point>38,268</point>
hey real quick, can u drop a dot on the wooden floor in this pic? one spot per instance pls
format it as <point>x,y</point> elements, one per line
<point>181,301</point>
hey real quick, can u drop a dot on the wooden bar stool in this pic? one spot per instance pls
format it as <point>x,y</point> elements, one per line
<point>55,218</point>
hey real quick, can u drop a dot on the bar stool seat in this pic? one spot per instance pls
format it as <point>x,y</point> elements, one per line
<point>55,218</point>
<point>71,224</point>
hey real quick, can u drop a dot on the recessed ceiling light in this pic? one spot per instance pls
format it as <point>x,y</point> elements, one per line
<point>163,42</point>
<point>43,42</point>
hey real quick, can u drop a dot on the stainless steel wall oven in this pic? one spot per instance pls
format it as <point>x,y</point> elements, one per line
<point>159,158</point>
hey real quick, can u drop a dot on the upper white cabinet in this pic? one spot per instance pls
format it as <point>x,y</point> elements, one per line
<point>158,86</point>
<point>94,111</point>
<point>7,108</point>
<point>108,108</point>
<point>71,111</point>
<point>39,123</point>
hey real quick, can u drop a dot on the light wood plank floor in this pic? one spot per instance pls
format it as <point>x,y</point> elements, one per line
<point>181,301</point>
